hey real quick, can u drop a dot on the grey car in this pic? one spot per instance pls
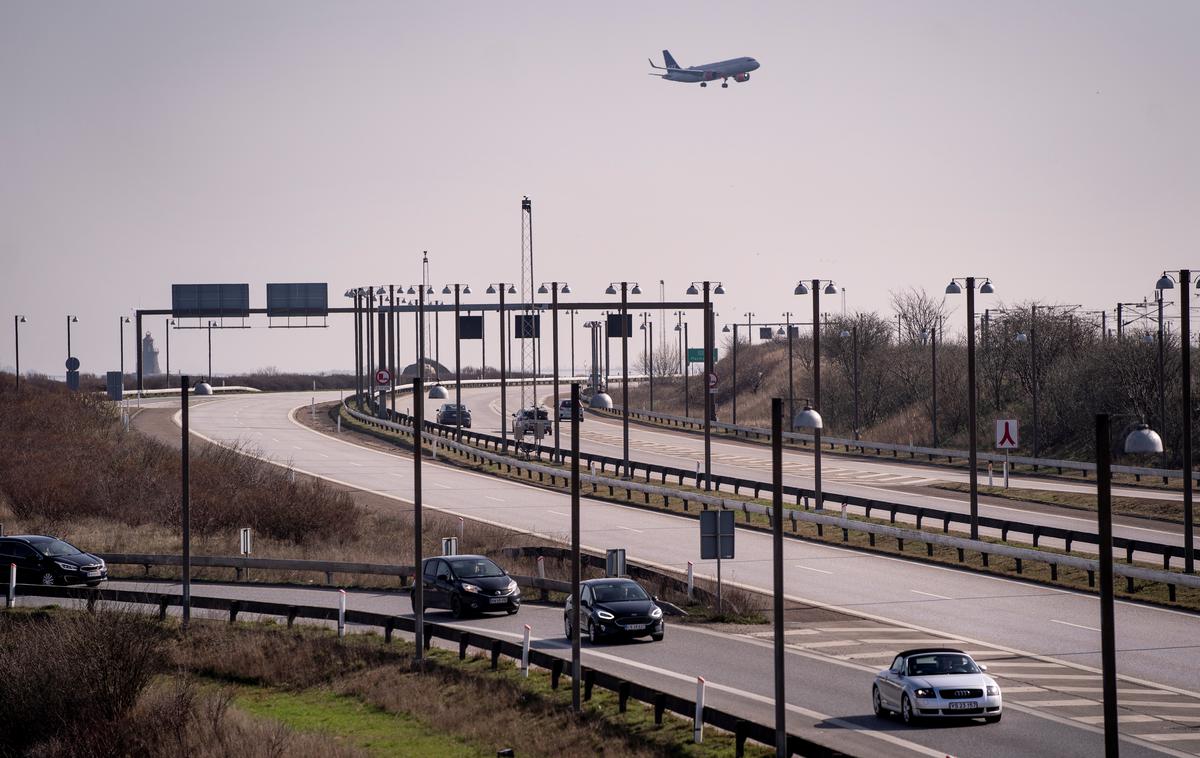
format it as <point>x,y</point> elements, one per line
<point>936,683</point>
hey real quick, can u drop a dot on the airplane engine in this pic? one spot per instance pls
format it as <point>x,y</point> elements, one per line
<point>742,77</point>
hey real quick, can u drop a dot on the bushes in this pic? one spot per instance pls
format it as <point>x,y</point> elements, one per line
<point>68,458</point>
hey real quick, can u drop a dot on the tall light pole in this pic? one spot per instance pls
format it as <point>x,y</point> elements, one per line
<point>726,330</point>
<point>1143,441</point>
<point>787,317</point>
<point>211,324</point>
<point>170,323</point>
<point>930,334</point>
<point>418,597</point>
<point>122,321</point>
<point>1031,338</point>
<point>499,288</point>
<point>777,573</point>
<point>573,312</point>
<point>973,443</point>
<point>1185,347</point>
<point>459,290</point>
<point>648,351</point>
<point>70,320</point>
<point>710,387</point>
<point>17,321</point>
<point>803,289</point>
<point>687,371</point>
<point>625,335</point>
<point>554,289</point>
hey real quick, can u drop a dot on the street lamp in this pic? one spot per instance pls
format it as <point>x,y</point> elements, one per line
<point>70,320</point>
<point>211,324</point>
<point>930,335</point>
<point>709,289</point>
<point>123,320</point>
<point>648,328</point>
<point>684,364</point>
<point>973,474</point>
<point>1166,282</point>
<point>170,323</point>
<point>1144,441</point>
<point>803,289</point>
<point>17,321</point>
<point>625,329</point>
<point>499,289</point>
<point>787,320</point>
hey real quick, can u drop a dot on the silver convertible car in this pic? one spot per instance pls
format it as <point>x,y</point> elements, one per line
<point>936,683</point>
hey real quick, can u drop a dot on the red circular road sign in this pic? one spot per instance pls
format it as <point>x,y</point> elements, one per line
<point>383,376</point>
<point>712,380</point>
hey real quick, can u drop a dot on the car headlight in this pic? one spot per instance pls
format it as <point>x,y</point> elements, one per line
<point>67,566</point>
<point>470,587</point>
<point>925,692</point>
<point>993,690</point>
<point>656,613</point>
<point>512,587</point>
<point>605,615</point>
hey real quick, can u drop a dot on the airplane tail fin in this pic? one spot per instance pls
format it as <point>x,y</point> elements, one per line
<point>669,60</point>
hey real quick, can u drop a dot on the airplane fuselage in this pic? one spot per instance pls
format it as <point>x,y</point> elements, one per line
<point>734,68</point>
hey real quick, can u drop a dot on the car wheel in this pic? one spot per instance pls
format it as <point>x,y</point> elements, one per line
<point>906,711</point>
<point>992,719</point>
<point>511,611</point>
<point>877,703</point>
<point>48,579</point>
<point>658,637</point>
<point>456,607</point>
<point>567,628</point>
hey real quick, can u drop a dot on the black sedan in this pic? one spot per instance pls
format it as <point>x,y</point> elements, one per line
<point>615,607</point>
<point>450,414</point>
<point>47,560</point>
<point>468,584</point>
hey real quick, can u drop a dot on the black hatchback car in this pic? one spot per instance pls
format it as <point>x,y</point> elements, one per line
<point>615,607</point>
<point>468,584</point>
<point>47,560</point>
<point>450,413</point>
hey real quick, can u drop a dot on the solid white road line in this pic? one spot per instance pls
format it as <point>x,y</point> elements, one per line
<point>1077,626</point>
<point>810,568</point>
<point>931,594</point>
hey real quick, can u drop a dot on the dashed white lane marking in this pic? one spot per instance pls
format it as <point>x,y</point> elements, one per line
<point>1132,718</point>
<point>1170,737</point>
<point>629,529</point>
<point>497,499</point>
<point>355,463</point>
<point>1077,626</point>
<point>1067,703</point>
<point>810,568</point>
<point>1154,704</point>
<point>440,485</point>
<point>558,513</point>
<point>931,594</point>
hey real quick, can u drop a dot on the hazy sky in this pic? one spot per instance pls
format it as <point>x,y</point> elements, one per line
<point>1050,145</point>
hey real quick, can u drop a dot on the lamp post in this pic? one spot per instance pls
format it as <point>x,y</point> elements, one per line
<point>725,330</point>
<point>973,453</point>
<point>572,313</point>
<point>1142,440</point>
<point>70,320</point>
<point>170,323</point>
<point>1031,338</point>
<point>787,317</point>
<point>710,386</point>
<point>459,290</point>
<point>17,321</point>
<point>810,418</point>
<point>121,322</point>
<point>853,335</point>
<point>803,289</point>
<point>930,335</point>
<point>493,289</point>
<point>554,289</point>
<point>211,324</point>
<point>625,329</point>
<point>1166,282</point>
<point>648,327</point>
<point>777,573</point>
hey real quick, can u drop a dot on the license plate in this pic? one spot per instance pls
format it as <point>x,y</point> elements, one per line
<point>635,626</point>
<point>498,600</point>
<point>93,573</point>
<point>963,705</point>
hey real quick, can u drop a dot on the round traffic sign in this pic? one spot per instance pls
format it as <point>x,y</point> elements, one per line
<point>383,376</point>
<point>72,364</point>
<point>712,380</point>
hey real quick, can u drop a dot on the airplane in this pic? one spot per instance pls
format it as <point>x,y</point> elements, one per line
<point>738,68</point>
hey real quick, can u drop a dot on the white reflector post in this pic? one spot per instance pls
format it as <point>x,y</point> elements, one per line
<point>691,580</point>
<point>698,721</point>
<point>12,586</point>
<point>341,614</point>
<point>525,653</point>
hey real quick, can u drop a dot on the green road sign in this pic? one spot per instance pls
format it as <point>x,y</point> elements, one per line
<point>696,355</point>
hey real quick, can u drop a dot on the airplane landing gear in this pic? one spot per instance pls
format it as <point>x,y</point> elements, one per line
<point>703,84</point>
<point>725,84</point>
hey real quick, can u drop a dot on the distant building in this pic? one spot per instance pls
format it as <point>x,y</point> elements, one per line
<point>149,356</point>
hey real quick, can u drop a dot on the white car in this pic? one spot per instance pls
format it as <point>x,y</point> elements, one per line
<point>564,411</point>
<point>534,421</point>
<point>938,683</point>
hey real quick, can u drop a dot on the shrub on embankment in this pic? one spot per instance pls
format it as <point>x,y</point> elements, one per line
<point>66,456</point>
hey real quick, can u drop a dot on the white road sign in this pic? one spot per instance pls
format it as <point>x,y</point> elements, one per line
<point>1008,434</point>
<point>383,377</point>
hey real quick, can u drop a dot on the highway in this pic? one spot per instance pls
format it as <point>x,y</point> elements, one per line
<point>863,477</point>
<point>1055,630</point>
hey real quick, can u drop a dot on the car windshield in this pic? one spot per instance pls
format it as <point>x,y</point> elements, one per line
<point>941,663</point>
<point>474,567</point>
<point>615,592</point>
<point>56,548</point>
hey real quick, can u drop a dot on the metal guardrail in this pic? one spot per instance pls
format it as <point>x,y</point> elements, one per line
<point>625,689</point>
<point>879,448</point>
<point>1033,532</point>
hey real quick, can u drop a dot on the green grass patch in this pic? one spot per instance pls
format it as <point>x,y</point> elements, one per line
<point>1123,506</point>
